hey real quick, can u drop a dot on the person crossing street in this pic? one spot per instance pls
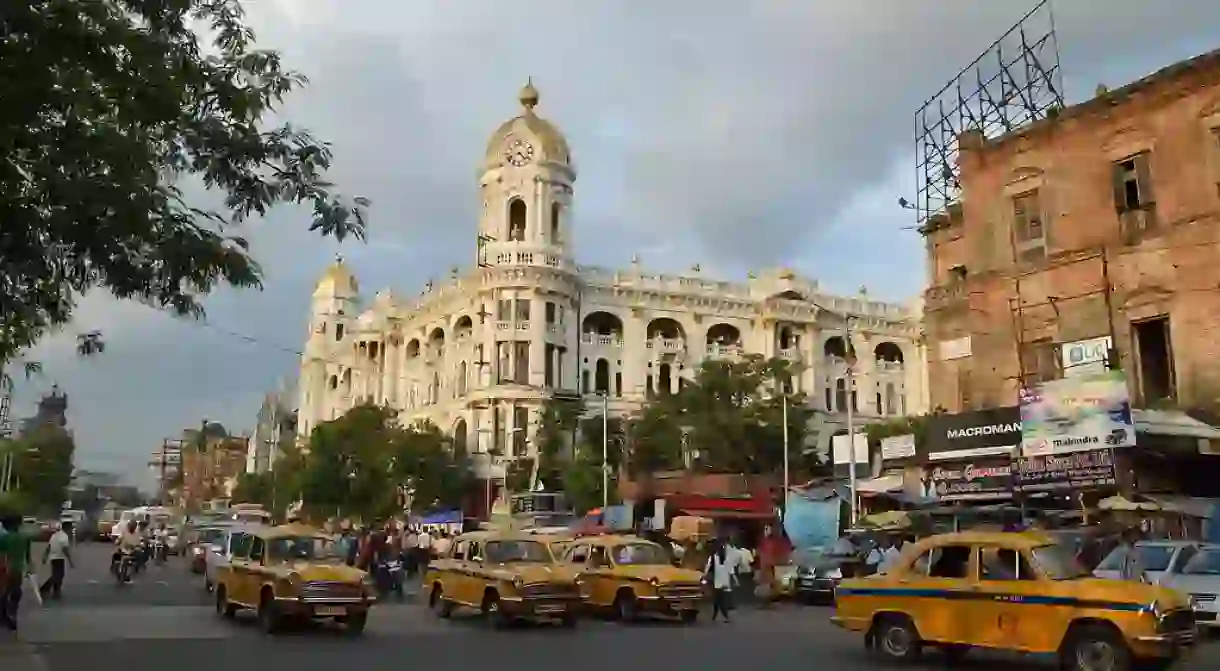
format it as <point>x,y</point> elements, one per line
<point>59,555</point>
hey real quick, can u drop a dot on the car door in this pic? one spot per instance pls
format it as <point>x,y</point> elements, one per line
<point>1004,617</point>
<point>578,558</point>
<point>470,574</point>
<point>601,573</point>
<point>941,593</point>
<point>453,569</point>
<point>239,567</point>
<point>251,577</point>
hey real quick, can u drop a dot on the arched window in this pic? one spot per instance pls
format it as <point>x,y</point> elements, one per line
<point>338,331</point>
<point>556,214</point>
<point>601,378</point>
<point>664,381</point>
<point>516,220</point>
<point>334,381</point>
<point>840,395</point>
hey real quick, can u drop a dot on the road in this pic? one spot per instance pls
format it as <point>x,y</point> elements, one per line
<point>165,621</point>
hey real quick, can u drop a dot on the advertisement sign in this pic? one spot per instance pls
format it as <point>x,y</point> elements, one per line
<point>1085,357</point>
<point>898,447</point>
<point>1075,470</point>
<point>974,480</point>
<point>843,456</point>
<point>979,431</point>
<point>1076,414</point>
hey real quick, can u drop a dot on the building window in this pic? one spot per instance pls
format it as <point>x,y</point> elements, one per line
<point>338,331</point>
<point>1040,362</point>
<point>550,312</point>
<point>965,392</point>
<point>584,381</point>
<point>504,310</point>
<point>522,357</point>
<point>649,392</point>
<point>520,423</point>
<point>548,367</point>
<point>498,420</point>
<point>618,383</point>
<point>505,366</point>
<point>840,395</point>
<point>1154,360</point>
<point>1029,232</point>
<point>829,401</point>
<point>1133,183</point>
<point>523,309</point>
<point>516,220</point>
<point>601,379</point>
<point>556,215</point>
<point>664,380</point>
<point>462,379</point>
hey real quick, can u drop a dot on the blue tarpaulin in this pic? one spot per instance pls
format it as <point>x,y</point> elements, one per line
<point>811,524</point>
<point>443,517</point>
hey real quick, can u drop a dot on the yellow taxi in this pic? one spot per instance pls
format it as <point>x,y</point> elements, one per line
<point>1014,591</point>
<point>292,573</point>
<point>633,576</point>
<point>507,576</point>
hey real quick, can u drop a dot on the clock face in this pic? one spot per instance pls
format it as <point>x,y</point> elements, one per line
<point>519,152</point>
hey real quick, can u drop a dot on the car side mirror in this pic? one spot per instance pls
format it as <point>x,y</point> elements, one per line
<point>216,549</point>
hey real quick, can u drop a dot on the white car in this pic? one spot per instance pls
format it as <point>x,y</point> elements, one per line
<point>1199,577</point>
<point>1153,559</point>
<point>218,554</point>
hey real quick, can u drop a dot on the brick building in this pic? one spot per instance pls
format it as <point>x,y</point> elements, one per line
<point>211,464</point>
<point>1101,222</point>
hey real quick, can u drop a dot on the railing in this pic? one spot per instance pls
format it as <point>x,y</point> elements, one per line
<point>603,340</point>
<point>723,350</point>
<point>667,344</point>
<point>888,366</point>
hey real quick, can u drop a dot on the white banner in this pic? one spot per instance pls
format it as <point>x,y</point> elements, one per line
<point>898,447</point>
<point>842,454</point>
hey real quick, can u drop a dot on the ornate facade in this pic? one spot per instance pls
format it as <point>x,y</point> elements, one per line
<point>480,353</point>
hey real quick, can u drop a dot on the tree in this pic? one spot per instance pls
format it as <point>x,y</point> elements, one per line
<point>422,461</point>
<point>44,467</point>
<point>731,414</point>
<point>582,479</point>
<point>901,426</point>
<point>348,467</point>
<point>557,423</point>
<point>255,488</point>
<point>122,103</point>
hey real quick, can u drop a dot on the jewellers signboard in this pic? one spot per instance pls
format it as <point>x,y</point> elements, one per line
<point>974,480</point>
<point>1076,414</point>
<point>1075,470</point>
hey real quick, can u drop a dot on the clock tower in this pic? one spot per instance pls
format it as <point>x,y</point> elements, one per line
<point>526,186</point>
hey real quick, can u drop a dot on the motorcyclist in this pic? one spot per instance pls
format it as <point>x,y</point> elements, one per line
<point>161,537</point>
<point>128,543</point>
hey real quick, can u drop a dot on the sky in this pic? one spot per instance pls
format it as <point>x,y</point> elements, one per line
<point>739,136</point>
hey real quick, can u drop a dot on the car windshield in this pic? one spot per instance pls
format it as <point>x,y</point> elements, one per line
<point>517,551</point>
<point>210,535</point>
<point>1058,562</point>
<point>1207,562</point>
<point>1147,558</point>
<point>298,548</point>
<point>640,554</point>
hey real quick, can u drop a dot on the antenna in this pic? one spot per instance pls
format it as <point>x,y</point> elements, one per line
<point>1016,81</point>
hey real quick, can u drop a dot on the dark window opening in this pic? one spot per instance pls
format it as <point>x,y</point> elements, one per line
<point>550,312</point>
<point>840,395</point>
<point>664,380</point>
<point>523,309</point>
<point>516,220</point>
<point>649,392</point>
<point>618,383</point>
<point>556,213</point>
<point>1027,217</point>
<point>1133,184</point>
<point>584,381</point>
<point>1040,361</point>
<point>520,421</point>
<point>1154,356</point>
<point>548,368</point>
<point>338,331</point>
<point>601,380</point>
<point>522,357</point>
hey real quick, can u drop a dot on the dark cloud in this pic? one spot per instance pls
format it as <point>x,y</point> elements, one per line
<point>740,135</point>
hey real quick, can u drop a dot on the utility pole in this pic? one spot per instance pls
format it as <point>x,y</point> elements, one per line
<point>605,450</point>
<point>6,468</point>
<point>850,383</point>
<point>784,494</point>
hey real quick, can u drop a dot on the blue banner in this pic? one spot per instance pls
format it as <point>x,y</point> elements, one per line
<point>811,524</point>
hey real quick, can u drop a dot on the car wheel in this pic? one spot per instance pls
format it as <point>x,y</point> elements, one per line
<point>355,624</point>
<point>494,612</point>
<point>1096,648</point>
<point>223,607</point>
<point>268,615</point>
<point>568,621</point>
<point>625,607</point>
<point>439,604</point>
<point>895,637</point>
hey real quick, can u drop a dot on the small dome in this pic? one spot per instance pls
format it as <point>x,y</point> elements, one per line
<point>550,144</point>
<point>337,281</point>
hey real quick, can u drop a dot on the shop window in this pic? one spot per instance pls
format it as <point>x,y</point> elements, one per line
<point>1154,359</point>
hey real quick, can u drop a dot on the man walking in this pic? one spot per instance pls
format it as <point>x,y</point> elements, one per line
<point>59,554</point>
<point>15,559</point>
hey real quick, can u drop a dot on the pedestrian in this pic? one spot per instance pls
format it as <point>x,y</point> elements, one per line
<point>15,557</point>
<point>59,554</point>
<point>720,573</point>
<point>440,546</point>
<point>410,551</point>
<point>423,545</point>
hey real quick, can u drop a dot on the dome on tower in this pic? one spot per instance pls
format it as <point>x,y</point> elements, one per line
<point>546,142</point>
<point>337,281</point>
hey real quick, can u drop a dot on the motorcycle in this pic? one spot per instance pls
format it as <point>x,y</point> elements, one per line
<point>123,568</point>
<point>159,551</point>
<point>388,574</point>
<point>140,557</point>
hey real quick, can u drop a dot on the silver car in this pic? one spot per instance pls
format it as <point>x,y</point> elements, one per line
<point>1152,560</point>
<point>218,554</point>
<point>1199,576</point>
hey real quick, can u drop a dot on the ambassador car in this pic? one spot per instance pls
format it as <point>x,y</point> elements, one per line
<point>1014,591</point>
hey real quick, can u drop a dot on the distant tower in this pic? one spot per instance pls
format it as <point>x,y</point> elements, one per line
<point>526,183</point>
<point>336,301</point>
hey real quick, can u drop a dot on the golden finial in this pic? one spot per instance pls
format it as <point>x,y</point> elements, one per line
<point>529,95</point>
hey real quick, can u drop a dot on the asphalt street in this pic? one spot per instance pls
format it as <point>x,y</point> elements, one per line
<point>165,621</point>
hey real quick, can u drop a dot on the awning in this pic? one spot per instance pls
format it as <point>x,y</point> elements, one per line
<point>730,514</point>
<point>880,485</point>
<point>1172,423</point>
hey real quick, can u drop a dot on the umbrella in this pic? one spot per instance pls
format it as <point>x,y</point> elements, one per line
<point>1121,503</point>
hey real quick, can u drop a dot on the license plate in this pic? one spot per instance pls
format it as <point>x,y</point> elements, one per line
<point>550,608</point>
<point>329,611</point>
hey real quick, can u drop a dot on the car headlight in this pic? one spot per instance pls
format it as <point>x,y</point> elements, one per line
<point>654,581</point>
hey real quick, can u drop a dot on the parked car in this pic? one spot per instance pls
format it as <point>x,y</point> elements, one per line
<point>1197,574</point>
<point>1152,560</point>
<point>816,574</point>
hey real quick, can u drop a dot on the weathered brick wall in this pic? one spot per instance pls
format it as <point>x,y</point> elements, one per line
<point>1173,270</point>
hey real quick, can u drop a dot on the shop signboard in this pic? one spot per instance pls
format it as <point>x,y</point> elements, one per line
<point>1076,414</point>
<point>972,480</point>
<point>1075,470</point>
<point>978,432</point>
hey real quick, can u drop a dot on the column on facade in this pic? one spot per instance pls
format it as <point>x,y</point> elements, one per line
<point>866,374</point>
<point>634,353</point>
<point>488,336</point>
<point>538,338</point>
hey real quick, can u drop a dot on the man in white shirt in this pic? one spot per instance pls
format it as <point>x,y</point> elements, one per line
<point>441,545</point>
<point>890,556</point>
<point>59,554</point>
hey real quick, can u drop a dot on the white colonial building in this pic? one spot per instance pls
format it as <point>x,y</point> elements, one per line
<point>480,353</point>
